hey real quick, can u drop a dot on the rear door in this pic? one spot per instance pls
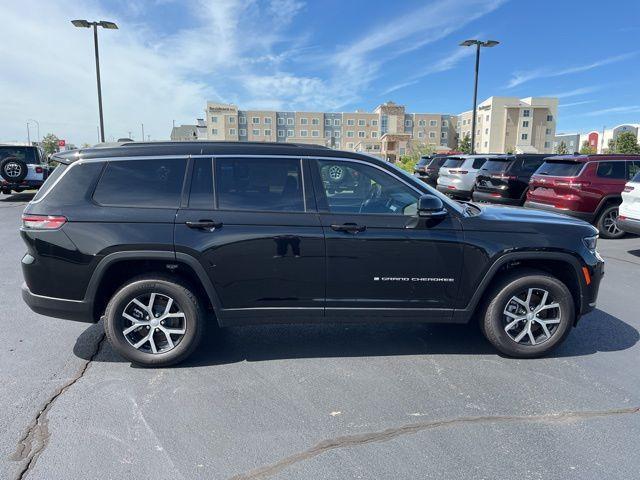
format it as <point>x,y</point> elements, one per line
<point>252,224</point>
<point>377,265</point>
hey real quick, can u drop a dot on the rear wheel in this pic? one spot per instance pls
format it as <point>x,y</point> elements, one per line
<point>154,321</point>
<point>530,314</point>
<point>607,223</point>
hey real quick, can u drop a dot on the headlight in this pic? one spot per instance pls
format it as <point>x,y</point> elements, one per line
<point>591,242</point>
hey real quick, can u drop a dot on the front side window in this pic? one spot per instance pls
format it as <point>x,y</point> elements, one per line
<point>613,170</point>
<point>142,183</point>
<point>351,187</point>
<point>259,184</point>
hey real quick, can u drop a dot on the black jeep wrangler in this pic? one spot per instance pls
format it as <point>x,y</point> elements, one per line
<point>160,239</point>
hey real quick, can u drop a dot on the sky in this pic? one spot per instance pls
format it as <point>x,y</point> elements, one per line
<point>169,58</point>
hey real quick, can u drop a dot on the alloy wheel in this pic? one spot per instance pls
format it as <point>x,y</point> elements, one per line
<point>531,317</point>
<point>610,222</point>
<point>13,169</point>
<point>154,323</point>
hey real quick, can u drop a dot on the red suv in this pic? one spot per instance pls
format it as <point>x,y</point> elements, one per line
<point>584,186</point>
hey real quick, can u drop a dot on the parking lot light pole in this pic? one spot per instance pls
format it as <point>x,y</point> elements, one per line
<point>95,25</point>
<point>478,44</point>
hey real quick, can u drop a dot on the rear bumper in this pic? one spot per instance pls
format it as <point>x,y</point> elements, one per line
<point>26,184</point>
<point>454,192</point>
<point>587,217</point>
<point>77,310</point>
<point>629,225</point>
<point>491,198</point>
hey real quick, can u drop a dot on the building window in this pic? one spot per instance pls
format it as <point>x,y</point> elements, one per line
<point>280,133</point>
<point>350,145</point>
<point>432,134</point>
<point>486,131</point>
<point>214,131</point>
<point>407,123</point>
<point>524,136</point>
<point>374,134</point>
<point>267,120</point>
<point>486,144</point>
<point>243,132</point>
<point>214,119</point>
<point>350,133</point>
<point>422,123</point>
<point>548,131</point>
<point>289,121</point>
<point>546,144</point>
<point>420,134</point>
<point>304,133</point>
<point>525,124</point>
<point>443,135</point>
<point>374,123</point>
<point>362,134</point>
<point>267,133</point>
<point>337,144</point>
<point>304,121</point>
<point>327,122</point>
<point>255,132</point>
<point>289,133</point>
<point>327,133</point>
<point>486,118</point>
<point>232,131</point>
<point>336,134</point>
<point>232,119</point>
<point>255,120</point>
<point>315,121</point>
<point>549,118</point>
<point>445,123</point>
<point>526,113</point>
<point>433,123</point>
<point>336,122</point>
<point>351,122</point>
<point>361,123</point>
<point>280,121</point>
<point>242,120</point>
<point>315,133</point>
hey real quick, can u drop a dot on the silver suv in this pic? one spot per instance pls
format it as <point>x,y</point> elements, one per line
<point>457,175</point>
<point>21,168</point>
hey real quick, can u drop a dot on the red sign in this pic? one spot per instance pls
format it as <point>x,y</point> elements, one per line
<point>61,143</point>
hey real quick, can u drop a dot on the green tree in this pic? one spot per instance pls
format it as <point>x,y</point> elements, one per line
<point>626,142</point>
<point>415,151</point>
<point>562,149</point>
<point>587,149</point>
<point>464,145</point>
<point>50,143</point>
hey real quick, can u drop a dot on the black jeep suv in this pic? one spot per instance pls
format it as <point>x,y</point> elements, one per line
<point>161,238</point>
<point>505,179</point>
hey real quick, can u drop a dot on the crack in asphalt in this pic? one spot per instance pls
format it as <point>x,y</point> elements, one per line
<point>412,428</point>
<point>36,438</point>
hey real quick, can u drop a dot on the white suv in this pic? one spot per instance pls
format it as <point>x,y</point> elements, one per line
<point>629,212</point>
<point>21,168</point>
<point>457,176</point>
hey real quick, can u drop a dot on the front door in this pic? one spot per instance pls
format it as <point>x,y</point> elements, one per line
<point>257,234</point>
<point>378,263</point>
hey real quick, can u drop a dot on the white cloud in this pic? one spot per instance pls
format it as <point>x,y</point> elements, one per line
<point>574,104</point>
<point>521,77</point>
<point>614,110</point>
<point>576,92</point>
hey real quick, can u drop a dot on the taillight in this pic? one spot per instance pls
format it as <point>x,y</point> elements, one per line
<point>43,222</point>
<point>502,176</point>
<point>574,185</point>
<point>39,170</point>
<point>628,188</point>
<point>459,171</point>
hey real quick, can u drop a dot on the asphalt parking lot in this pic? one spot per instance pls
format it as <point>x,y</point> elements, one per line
<point>330,402</point>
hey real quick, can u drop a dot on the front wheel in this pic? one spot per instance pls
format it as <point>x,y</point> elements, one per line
<point>530,314</point>
<point>607,223</point>
<point>154,321</point>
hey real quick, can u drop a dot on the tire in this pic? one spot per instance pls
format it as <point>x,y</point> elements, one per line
<point>13,170</point>
<point>606,223</point>
<point>496,322</point>
<point>156,351</point>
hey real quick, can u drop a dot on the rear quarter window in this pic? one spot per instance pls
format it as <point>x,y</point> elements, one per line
<point>141,183</point>
<point>560,168</point>
<point>478,163</point>
<point>54,175</point>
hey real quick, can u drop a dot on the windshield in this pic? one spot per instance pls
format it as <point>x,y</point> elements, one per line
<point>423,161</point>
<point>560,168</point>
<point>496,165</point>
<point>453,162</point>
<point>26,154</point>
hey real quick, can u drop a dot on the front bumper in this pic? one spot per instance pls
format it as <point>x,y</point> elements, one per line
<point>590,288</point>
<point>587,217</point>
<point>491,198</point>
<point>629,225</point>
<point>77,310</point>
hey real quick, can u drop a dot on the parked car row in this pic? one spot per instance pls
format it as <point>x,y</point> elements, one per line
<point>589,187</point>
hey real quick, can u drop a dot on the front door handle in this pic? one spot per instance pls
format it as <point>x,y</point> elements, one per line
<point>349,227</point>
<point>204,225</point>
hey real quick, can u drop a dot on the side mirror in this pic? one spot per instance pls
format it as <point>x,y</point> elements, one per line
<point>430,206</point>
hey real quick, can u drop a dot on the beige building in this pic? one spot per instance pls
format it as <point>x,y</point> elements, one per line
<point>504,124</point>
<point>509,124</point>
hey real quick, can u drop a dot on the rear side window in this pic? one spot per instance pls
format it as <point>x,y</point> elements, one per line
<point>54,174</point>
<point>453,162</point>
<point>612,170</point>
<point>259,184</point>
<point>478,163</point>
<point>142,183</point>
<point>560,169</point>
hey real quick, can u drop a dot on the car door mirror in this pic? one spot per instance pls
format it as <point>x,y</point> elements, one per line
<point>430,206</point>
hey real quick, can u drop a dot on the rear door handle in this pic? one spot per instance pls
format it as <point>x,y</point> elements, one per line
<point>204,225</point>
<point>348,227</point>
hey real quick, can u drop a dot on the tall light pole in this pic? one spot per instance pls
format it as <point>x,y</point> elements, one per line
<point>478,44</point>
<point>37,129</point>
<point>95,25</point>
